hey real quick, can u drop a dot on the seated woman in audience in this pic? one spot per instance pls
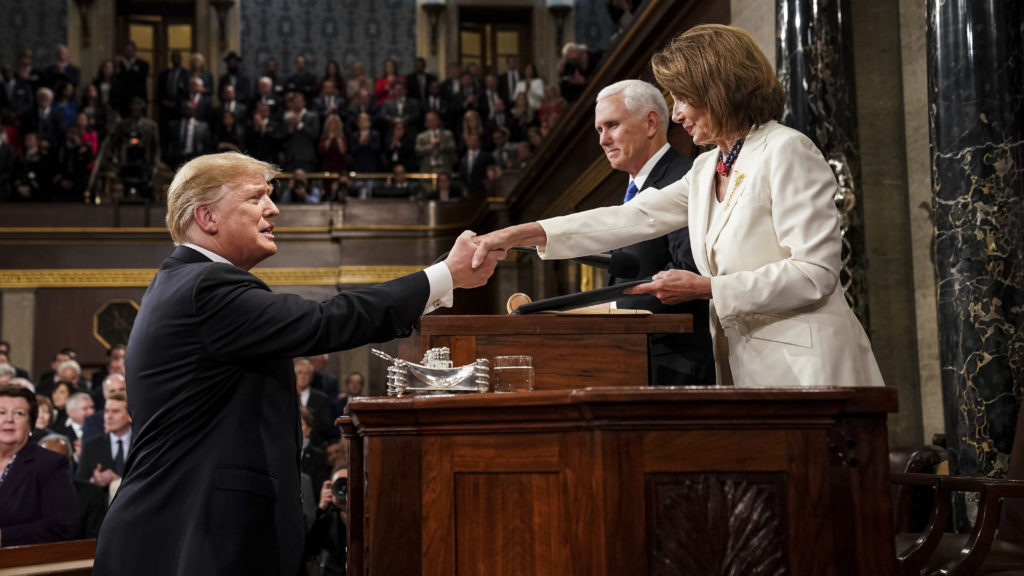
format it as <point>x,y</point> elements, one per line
<point>553,105</point>
<point>382,88</point>
<point>532,86</point>
<point>400,147</point>
<point>60,394</point>
<point>523,113</point>
<point>37,496</point>
<point>333,148</point>
<point>106,85</point>
<point>94,111</point>
<point>44,419</point>
<point>472,124</point>
<point>331,73</point>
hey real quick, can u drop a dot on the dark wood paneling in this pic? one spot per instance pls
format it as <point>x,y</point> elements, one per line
<point>508,523</point>
<point>63,317</point>
<point>393,483</point>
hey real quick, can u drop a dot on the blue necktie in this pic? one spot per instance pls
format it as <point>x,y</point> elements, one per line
<point>119,459</point>
<point>630,192</point>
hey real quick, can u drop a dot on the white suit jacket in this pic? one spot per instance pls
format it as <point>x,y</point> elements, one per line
<point>778,314</point>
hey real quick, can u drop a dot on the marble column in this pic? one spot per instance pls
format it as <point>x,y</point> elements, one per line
<point>814,60</point>
<point>976,124</point>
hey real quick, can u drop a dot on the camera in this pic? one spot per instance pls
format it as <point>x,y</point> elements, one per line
<point>570,67</point>
<point>340,489</point>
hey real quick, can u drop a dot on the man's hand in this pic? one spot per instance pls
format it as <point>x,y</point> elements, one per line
<point>461,262</point>
<point>530,234</point>
<point>675,286</point>
<point>101,477</point>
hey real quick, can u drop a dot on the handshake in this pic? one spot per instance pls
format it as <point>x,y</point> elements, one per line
<point>473,258</point>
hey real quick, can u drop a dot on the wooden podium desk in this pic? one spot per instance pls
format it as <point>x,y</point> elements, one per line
<point>622,481</point>
<point>568,351</point>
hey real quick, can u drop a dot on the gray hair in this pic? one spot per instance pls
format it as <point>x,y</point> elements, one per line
<point>110,378</point>
<point>76,399</point>
<point>7,370</point>
<point>45,91</point>
<point>24,383</point>
<point>69,364</point>
<point>640,97</point>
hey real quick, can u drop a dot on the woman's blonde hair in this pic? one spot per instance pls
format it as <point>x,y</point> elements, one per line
<point>202,182</point>
<point>721,70</point>
<point>332,122</point>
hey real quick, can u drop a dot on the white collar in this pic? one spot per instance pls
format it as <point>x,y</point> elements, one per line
<point>126,441</point>
<point>648,166</point>
<point>209,254</point>
<point>304,396</point>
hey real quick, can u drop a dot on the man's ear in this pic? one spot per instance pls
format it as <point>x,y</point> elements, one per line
<point>205,219</point>
<point>653,125</point>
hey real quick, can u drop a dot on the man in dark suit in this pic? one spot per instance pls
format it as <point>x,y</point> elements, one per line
<point>61,72</point>
<point>313,461</point>
<point>631,119</point>
<point>132,73</point>
<point>302,136</point>
<point>474,163</point>
<point>236,78</point>
<point>508,79</point>
<point>420,80</point>
<point>188,137</point>
<point>212,480</point>
<point>171,90</point>
<point>103,458</point>
<point>302,81</point>
<point>264,134</point>
<point>400,107</point>
<point>316,401</point>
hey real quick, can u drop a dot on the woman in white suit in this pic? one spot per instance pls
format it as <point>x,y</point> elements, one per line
<point>763,224</point>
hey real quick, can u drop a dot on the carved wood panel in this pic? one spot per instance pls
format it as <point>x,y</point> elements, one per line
<point>714,524</point>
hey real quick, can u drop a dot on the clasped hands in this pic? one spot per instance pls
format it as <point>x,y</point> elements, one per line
<point>668,286</point>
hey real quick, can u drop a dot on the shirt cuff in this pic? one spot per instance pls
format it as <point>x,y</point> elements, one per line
<point>441,287</point>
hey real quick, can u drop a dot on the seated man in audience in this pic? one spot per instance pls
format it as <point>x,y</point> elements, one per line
<point>400,187</point>
<point>335,454</point>
<point>473,166</point>
<point>265,135</point>
<point>103,457</point>
<point>5,356</point>
<point>329,101</point>
<point>435,146</point>
<point>313,460</point>
<point>315,401</point>
<point>354,385</point>
<point>113,384</point>
<point>46,382</point>
<point>189,137</point>
<point>504,152</point>
<point>302,81</point>
<point>447,189</point>
<point>400,106</point>
<point>322,379</point>
<point>265,95</point>
<point>302,136</point>
<point>92,500</point>
<point>79,407</point>
<point>115,365</point>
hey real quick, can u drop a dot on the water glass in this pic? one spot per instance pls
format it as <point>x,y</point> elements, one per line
<point>512,373</point>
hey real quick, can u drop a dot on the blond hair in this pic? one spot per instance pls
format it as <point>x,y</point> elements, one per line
<point>722,70</point>
<point>202,182</point>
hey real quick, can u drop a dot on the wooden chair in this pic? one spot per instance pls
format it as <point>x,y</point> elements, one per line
<point>995,546</point>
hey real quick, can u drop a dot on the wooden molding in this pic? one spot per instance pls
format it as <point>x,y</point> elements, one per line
<point>141,277</point>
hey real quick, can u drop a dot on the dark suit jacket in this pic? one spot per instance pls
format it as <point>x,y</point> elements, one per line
<point>319,406</point>
<point>37,499</point>
<point>212,480</point>
<point>418,88</point>
<point>474,179</point>
<point>678,359</point>
<point>314,464</point>
<point>301,145</point>
<point>92,507</point>
<point>95,451</point>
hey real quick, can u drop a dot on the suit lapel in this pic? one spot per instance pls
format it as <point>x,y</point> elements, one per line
<point>702,192</point>
<point>748,161</point>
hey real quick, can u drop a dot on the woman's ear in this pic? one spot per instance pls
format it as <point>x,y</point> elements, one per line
<point>205,218</point>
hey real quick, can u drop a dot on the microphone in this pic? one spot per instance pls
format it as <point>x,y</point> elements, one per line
<point>619,264</point>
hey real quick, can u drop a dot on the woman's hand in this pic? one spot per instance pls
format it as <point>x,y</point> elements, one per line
<point>675,286</point>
